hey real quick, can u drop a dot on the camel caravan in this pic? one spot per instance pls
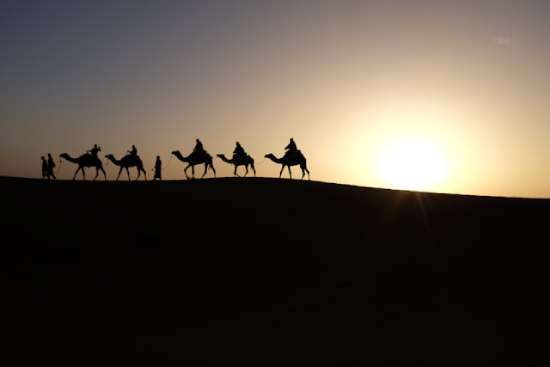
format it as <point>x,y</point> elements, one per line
<point>199,156</point>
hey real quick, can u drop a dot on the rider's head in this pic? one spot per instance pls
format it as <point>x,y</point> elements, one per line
<point>43,158</point>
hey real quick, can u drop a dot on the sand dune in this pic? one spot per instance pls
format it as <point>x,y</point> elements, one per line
<point>271,272</point>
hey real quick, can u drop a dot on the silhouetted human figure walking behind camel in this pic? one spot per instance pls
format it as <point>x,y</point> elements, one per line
<point>158,169</point>
<point>44,168</point>
<point>51,166</point>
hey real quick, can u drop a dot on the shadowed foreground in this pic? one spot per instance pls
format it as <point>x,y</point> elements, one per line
<point>271,272</point>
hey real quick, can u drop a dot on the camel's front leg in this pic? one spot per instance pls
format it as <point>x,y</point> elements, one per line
<point>205,169</point>
<point>96,173</point>
<point>289,172</point>
<point>128,173</point>
<point>235,171</point>
<point>281,173</point>
<point>139,174</point>
<point>119,172</point>
<point>83,173</point>
<point>76,173</point>
<point>185,171</point>
<point>246,168</point>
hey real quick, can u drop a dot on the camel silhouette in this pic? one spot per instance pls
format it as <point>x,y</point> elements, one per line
<point>288,160</point>
<point>127,162</point>
<point>239,161</point>
<point>84,161</point>
<point>194,159</point>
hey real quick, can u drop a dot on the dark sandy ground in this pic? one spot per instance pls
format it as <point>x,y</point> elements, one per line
<point>271,272</point>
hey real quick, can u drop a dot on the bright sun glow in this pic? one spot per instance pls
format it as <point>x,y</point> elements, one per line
<point>411,163</point>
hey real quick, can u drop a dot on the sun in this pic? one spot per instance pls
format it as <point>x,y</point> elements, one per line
<point>412,164</point>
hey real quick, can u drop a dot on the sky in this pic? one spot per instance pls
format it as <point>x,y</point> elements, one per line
<point>446,96</point>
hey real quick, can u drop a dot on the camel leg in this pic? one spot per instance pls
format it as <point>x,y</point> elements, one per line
<point>281,173</point>
<point>96,173</point>
<point>185,171</point>
<point>253,169</point>
<point>138,173</point>
<point>83,173</point>
<point>119,172</point>
<point>213,169</point>
<point>104,173</point>
<point>76,172</point>
<point>289,172</point>
<point>246,170</point>
<point>235,171</point>
<point>128,173</point>
<point>193,171</point>
<point>144,173</point>
<point>205,169</point>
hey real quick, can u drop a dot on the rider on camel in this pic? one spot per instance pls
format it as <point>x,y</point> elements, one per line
<point>94,150</point>
<point>133,151</point>
<point>198,148</point>
<point>239,152</point>
<point>291,148</point>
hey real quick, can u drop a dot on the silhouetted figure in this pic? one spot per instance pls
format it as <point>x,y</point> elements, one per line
<point>239,151</point>
<point>133,151</point>
<point>291,147</point>
<point>198,150</point>
<point>51,166</point>
<point>44,168</point>
<point>198,156</point>
<point>94,150</point>
<point>127,162</point>
<point>240,158</point>
<point>158,169</point>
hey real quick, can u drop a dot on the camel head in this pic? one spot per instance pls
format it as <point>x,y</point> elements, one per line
<point>270,156</point>
<point>220,155</point>
<point>110,156</point>
<point>64,156</point>
<point>178,155</point>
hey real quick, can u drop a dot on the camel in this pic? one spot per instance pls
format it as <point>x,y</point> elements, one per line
<point>239,161</point>
<point>287,161</point>
<point>194,159</point>
<point>127,162</point>
<point>84,161</point>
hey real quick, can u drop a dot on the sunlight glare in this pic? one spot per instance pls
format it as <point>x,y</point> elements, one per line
<point>415,164</point>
